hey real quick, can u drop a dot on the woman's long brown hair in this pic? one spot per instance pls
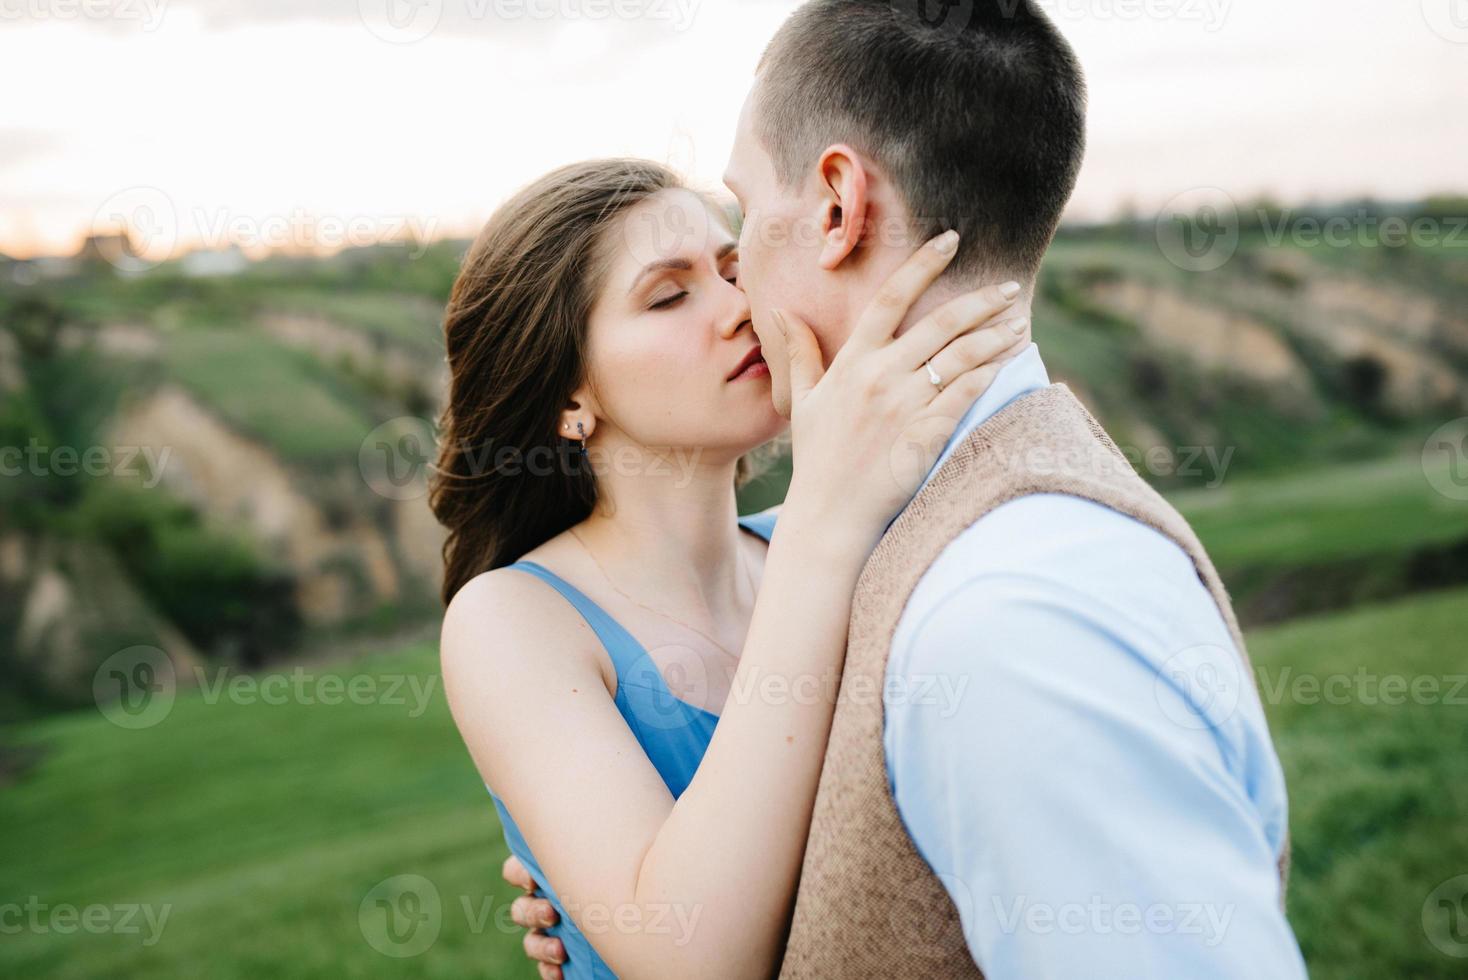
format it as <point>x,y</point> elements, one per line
<point>516,329</point>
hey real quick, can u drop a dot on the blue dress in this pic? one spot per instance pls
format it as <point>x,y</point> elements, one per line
<point>673,733</point>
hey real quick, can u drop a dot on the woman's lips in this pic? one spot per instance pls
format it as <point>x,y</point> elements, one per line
<point>758,369</point>
<point>751,366</point>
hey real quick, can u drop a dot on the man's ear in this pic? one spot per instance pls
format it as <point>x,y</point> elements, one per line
<point>844,203</point>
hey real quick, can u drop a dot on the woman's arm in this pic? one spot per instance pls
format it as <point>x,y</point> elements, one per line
<point>660,887</point>
<point>683,888</point>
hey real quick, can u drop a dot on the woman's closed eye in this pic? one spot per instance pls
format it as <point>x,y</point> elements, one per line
<point>671,296</point>
<point>668,301</point>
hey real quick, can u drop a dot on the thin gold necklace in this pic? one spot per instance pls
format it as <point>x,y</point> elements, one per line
<point>749,575</point>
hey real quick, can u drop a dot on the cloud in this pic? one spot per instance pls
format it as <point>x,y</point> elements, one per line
<point>21,145</point>
<point>395,21</point>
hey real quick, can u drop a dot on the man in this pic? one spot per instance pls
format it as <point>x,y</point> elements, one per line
<point>1070,773</point>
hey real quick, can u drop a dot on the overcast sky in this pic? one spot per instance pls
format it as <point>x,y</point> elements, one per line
<point>240,119</point>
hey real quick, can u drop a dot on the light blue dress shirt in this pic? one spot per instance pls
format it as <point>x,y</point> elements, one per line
<point>1075,749</point>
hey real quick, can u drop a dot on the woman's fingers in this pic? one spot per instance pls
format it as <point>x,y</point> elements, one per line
<point>954,318</point>
<point>532,912</point>
<point>888,308</point>
<point>802,352</point>
<point>994,342</point>
<point>956,398</point>
<point>517,874</point>
<point>550,972</point>
<point>543,948</point>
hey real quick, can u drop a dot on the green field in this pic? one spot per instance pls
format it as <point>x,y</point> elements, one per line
<point>1331,537</point>
<point>1378,779</point>
<point>263,827</point>
<point>1324,514</point>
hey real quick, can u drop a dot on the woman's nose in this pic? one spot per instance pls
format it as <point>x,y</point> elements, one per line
<point>737,316</point>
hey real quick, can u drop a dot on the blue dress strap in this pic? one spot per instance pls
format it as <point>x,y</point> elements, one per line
<point>624,649</point>
<point>761,524</point>
<point>621,646</point>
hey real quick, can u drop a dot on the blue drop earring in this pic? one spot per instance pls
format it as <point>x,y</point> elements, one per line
<point>582,430</point>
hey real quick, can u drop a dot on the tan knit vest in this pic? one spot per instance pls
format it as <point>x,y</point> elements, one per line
<point>868,905</point>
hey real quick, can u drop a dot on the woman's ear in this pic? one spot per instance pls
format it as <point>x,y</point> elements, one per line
<point>578,411</point>
<point>844,199</point>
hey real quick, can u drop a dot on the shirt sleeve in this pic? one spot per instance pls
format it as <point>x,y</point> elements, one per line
<point>1092,807</point>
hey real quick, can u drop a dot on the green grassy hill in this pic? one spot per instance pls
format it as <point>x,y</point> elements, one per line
<point>267,387</point>
<point>1282,402</point>
<point>263,827</point>
<point>1378,779</point>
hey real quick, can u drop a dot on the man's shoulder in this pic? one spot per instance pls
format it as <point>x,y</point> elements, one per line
<point>1058,537</point>
<point>1073,557</point>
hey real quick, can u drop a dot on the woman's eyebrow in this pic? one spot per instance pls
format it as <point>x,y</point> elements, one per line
<point>658,266</point>
<point>678,264</point>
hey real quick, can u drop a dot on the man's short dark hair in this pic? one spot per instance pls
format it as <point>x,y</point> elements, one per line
<point>978,120</point>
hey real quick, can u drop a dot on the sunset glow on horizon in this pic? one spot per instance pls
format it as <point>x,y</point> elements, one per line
<point>279,126</point>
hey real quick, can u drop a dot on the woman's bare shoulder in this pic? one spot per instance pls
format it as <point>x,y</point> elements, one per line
<point>504,618</point>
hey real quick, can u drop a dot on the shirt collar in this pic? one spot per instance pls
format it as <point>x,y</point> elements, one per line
<point>1024,374</point>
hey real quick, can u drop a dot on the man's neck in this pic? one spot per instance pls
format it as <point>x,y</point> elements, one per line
<point>941,292</point>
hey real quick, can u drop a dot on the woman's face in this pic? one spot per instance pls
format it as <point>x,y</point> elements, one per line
<point>670,343</point>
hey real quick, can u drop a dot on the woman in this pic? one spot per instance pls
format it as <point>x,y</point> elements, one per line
<point>606,387</point>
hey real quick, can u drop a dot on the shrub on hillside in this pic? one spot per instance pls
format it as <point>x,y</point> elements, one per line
<point>212,585</point>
